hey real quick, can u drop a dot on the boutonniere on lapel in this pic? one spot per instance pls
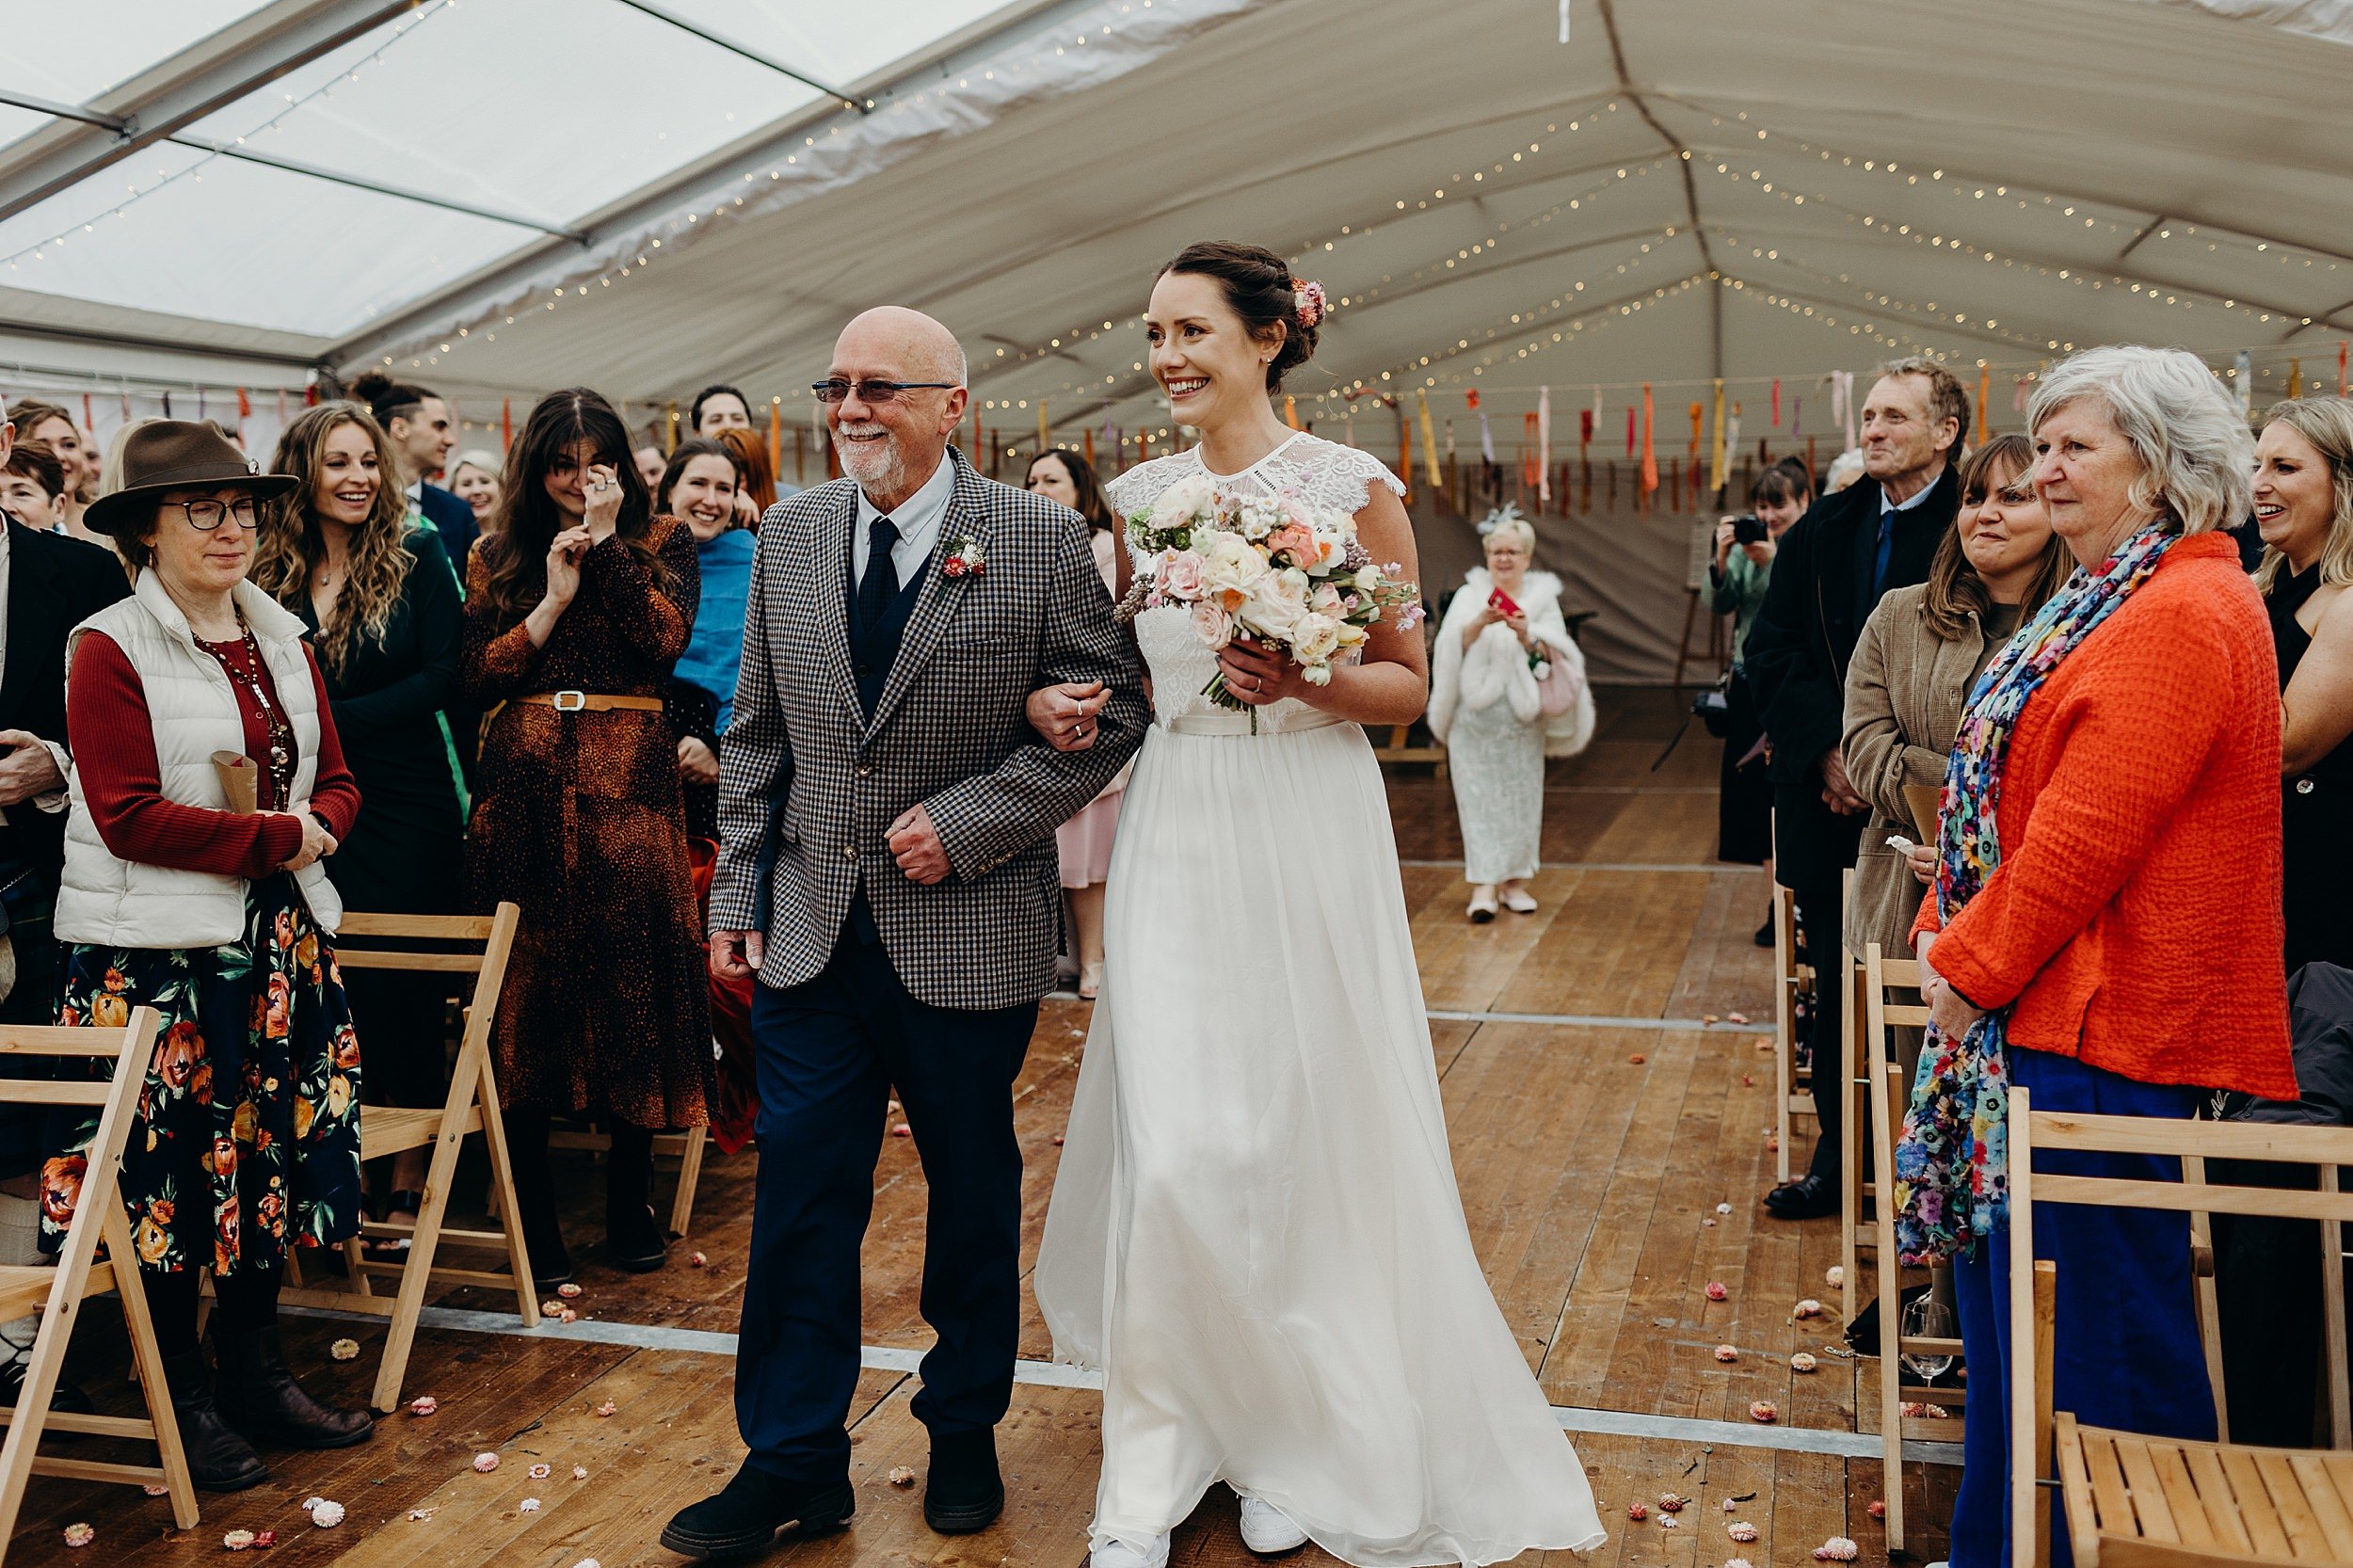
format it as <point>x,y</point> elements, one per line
<point>962,558</point>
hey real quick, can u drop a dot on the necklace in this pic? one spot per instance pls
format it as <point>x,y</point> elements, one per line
<point>247,671</point>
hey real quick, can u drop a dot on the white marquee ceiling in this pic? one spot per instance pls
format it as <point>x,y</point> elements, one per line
<point>1686,189</point>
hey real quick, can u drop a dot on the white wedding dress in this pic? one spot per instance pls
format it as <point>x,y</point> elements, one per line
<point>1255,1232</point>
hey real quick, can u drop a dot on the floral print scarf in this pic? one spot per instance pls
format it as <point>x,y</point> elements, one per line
<point>1952,1160</point>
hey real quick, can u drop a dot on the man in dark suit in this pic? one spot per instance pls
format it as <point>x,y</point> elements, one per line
<point>49,583</point>
<point>887,869</point>
<point>417,423</point>
<point>1878,534</point>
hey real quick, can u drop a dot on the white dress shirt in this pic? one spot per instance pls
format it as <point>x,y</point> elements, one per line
<point>918,519</point>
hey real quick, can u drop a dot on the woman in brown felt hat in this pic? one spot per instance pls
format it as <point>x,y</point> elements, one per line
<point>247,1139</point>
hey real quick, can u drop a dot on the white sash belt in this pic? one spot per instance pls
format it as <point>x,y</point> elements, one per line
<point>1226,722</point>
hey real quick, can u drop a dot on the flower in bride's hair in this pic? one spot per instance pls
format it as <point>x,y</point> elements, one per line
<point>1215,627</point>
<point>1180,575</point>
<point>1311,300</point>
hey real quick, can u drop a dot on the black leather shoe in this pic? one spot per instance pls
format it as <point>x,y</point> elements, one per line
<point>259,1396</point>
<point>964,1493</point>
<point>743,1519</point>
<point>633,1240</point>
<point>1809,1197</point>
<point>1764,936</point>
<point>218,1458</point>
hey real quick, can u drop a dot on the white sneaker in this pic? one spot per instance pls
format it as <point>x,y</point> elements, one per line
<point>1266,1528</point>
<point>1116,1553</point>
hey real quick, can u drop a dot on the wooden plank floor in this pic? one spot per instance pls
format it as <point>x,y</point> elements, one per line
<point>1592,1157</point>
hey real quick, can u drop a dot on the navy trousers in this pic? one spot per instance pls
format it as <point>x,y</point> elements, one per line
<point>2125,1352</point>
<point>830,1053</point>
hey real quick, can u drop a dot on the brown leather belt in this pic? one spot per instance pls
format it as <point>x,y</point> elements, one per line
<point>590,702</point>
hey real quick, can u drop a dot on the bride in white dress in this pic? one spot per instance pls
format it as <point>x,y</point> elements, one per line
<point>1255,1232</point>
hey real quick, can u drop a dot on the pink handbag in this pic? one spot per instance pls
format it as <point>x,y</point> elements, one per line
<point>1556,688</point>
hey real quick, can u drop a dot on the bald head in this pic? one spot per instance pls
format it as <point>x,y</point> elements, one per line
<point>928,350</point>
<point>893,441</point>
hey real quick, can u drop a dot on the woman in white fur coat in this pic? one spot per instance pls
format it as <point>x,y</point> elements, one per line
<point>1490,676</point>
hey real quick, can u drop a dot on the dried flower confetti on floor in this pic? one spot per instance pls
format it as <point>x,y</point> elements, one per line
<point>424,1405</point>
<point>1717,1290</point>
<point>237,1541</point>
<point>486,1461</point>
<point>325,1513</point>
<point>1835,1276</point>
<point>1877,1508</point>
<point>902,1476</point>
<point>569,1290</point>
<point>607,1408</point>
<point>1741,1530</point>
<point>1638,1511</point>
<point>1727,1353</point>
<point>1806,1308</point>
<point>540,1472</point>
<point>1764,1410</point>
<point>529,1505</point>
<point>1802,1362</point>
<point>1837,1549</point>
<point>344,1350</point>
<point>579,1472</point>
<point>79,1535</point>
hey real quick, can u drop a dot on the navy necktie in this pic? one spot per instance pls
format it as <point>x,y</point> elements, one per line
<point>881,580</point>
<point>1887,543</point>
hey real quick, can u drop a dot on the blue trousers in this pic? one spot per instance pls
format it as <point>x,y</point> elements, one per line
<point>830,1053</point>
<point>2125,1352</point>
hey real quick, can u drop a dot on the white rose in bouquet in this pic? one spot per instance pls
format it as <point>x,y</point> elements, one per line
<point>1314,639</point>
<point>1276,602</point>
<point>1191,499</point>
<point>1229,568</point>
<point>1214,626</point>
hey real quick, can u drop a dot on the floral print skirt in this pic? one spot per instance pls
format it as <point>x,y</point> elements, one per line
<point>248,1137</point>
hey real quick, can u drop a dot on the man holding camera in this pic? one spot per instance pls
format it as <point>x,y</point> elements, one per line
<point>1878,534</point>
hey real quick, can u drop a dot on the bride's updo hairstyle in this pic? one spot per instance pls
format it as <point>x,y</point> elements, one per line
<point>1258,286</point>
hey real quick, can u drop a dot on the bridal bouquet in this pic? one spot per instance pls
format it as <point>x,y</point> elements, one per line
<point>1271,568</point>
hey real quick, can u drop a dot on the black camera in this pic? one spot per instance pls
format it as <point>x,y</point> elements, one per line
<point>1748,528</point>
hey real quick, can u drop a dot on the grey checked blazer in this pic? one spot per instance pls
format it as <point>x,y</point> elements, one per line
<point>807,787</point>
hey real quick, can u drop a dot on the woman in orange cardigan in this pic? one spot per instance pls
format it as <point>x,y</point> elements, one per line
<point>2105,927</point>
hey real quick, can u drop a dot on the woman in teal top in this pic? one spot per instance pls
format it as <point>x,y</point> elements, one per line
<point>698,488</point>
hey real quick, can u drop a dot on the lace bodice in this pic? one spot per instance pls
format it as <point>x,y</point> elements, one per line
<point>1321,472</point>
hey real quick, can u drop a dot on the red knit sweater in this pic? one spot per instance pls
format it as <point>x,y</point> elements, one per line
<point>113,743</point>
<point>2135,919</point>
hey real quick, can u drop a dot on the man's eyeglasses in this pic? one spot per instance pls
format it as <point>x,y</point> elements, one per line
<point>872,392</point>
<point>205,515</point>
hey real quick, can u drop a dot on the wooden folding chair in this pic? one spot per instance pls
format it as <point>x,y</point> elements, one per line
<point>59,1293</point>
<point>1885,1103</point>
<point>1858,1192</point>
<point>1793,1085</point>
<point>422,943</point>
<point>685,1147</point>
<point>2136,1501</point>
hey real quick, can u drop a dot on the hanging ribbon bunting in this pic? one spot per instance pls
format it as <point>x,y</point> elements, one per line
<point>1845,394</point>
<point>507,422</point>
<point>1699,417</point>
<point>1088,436</point>
<point>2296,376</point>
<point>1730,445</point>
<point>1532,456</point>
<point>1291,413</point>
<point>1718,452</point>
<point>1985,384</point>
<point>1405,453</point>
<point>1428,442</point>
<point>2340,382</point>
<point>1650,445</point>
<point>2245,366</point>
<point>1042,439</point>
<point>1544,443</point>
<point>1632,417</point>
<point>1777,403</point>
<point>776,436</point>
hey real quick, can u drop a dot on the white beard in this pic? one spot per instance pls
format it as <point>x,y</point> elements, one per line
<point>876,466</point>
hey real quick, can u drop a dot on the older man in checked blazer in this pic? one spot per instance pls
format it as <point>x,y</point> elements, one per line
<point>887,869</point>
